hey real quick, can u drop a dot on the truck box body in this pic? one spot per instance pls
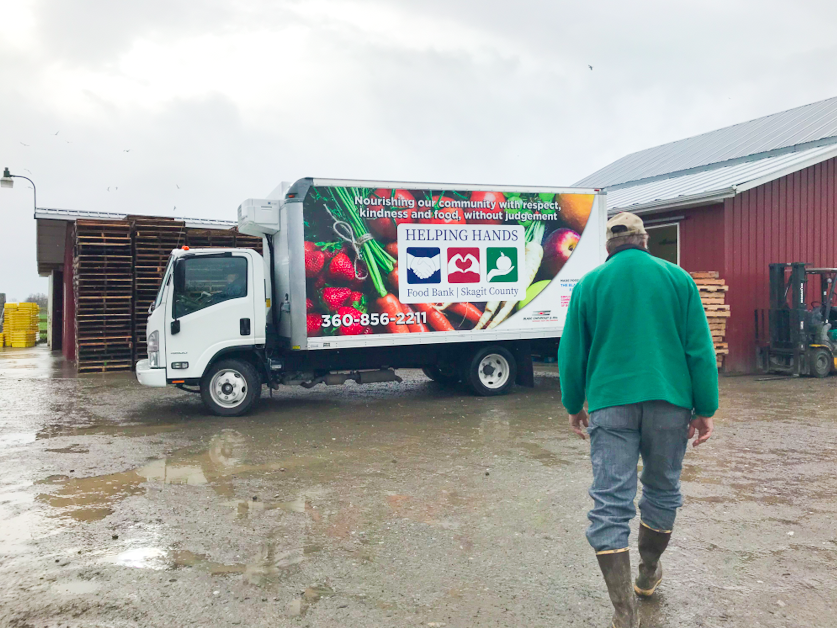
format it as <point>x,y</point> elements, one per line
<point>464,281</point>
<point>459,231</point>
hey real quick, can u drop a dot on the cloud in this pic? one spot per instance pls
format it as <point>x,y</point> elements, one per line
<point>226,98</point>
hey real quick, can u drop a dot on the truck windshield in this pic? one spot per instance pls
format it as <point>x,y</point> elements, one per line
<point>166,276</point>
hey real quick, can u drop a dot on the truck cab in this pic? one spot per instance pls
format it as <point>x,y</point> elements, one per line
<point>210,308</point>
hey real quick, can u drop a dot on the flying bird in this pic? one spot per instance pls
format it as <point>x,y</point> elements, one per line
<point>57,132</point>
<point>590,66</point>
<point>175,208</point>
<point>128,150</point>
<point>108,189</point>
<point>25,144</point>
<point>178,187</point>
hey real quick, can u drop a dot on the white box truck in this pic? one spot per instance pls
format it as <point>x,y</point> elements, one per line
<point>360,278</point>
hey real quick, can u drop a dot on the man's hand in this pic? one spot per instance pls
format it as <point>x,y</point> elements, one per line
<point>704,426</point>
<point>577,420</point>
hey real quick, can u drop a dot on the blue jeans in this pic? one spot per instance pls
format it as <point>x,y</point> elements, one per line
<point>656,430</point>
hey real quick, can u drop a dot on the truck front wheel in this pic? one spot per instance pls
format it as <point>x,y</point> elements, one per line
<point>491,371</point>
<point>231,387</point>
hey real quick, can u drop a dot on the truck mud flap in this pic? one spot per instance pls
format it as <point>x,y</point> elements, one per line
<point>522,352</point>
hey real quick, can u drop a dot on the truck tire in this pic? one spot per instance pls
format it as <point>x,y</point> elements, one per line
<point>446,375</point>
<point>491,371</point>
<point>819,362</point>
<point>231,387</point>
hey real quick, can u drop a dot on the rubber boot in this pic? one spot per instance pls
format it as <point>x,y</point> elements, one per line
<point>616,569</point>
<point>652,544</point>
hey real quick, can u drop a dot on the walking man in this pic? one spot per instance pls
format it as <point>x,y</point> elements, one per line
<point>636,346</point>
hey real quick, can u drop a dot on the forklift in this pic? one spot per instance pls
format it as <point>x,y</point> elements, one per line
<point>798,338</point>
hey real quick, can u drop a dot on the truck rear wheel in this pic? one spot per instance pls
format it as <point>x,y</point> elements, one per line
<point>231,387</point>
<point>444,374</point>
<point>491,371</point>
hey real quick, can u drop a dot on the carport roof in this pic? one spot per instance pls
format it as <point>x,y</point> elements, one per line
<point>52,231</point>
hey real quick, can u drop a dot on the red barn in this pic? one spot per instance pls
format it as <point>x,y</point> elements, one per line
<point>734,201</point>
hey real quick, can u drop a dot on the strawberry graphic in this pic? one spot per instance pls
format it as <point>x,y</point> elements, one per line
<point>314,324</point>
<point>357,300</point>
<point>314,262</point>
<point>357,282</point>
<point>330,249</point>
<point>334,298</point>
<point>355,329</point>
<point>310,246</point>
<point>341,268</point>
<point>309,305</point>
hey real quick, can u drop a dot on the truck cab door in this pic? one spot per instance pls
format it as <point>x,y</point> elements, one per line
<point>212,309</point>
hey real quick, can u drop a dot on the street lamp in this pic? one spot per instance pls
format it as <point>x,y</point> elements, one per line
<point>8,181</point>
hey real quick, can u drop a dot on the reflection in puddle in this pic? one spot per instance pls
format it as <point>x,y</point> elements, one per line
<point>91,499</point>
<point>16,438</point>
<point>142,558</point>
<point>268,566</point>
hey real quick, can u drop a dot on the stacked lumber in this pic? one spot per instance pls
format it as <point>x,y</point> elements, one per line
<point>713,292</point>
<point>103,288</point>
<point>153,240</point>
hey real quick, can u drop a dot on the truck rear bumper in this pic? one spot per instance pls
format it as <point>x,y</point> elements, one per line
<point>148,376</point>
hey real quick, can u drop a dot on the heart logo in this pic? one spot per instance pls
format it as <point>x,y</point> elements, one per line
<point>463,264</point>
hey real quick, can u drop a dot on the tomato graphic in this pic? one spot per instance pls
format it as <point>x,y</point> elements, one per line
<point>386,228</point>
<point>496,211</point>
<point>445,215</point>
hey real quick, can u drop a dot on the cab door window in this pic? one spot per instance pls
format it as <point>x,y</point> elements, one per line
<point>209,281</point>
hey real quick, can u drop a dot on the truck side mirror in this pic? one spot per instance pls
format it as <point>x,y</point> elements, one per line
<point>179,276</point>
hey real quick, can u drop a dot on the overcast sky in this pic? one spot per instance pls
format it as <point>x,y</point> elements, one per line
<point>226,99</point>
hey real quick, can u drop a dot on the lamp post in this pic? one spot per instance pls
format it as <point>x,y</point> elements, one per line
<point>8,181</point>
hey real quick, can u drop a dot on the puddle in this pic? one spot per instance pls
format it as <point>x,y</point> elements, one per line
<point>143,558</point>
<point>93,498</point>
<point>75,448</point>
<point>16,439</point>
<point>268,567</point>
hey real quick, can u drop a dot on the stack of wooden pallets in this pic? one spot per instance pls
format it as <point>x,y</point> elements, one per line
<point>713,292</point>
<point>103,288</point>
<point>20,325</point>
<point>153,240</point>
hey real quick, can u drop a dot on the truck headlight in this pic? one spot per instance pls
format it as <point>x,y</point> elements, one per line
<point>154,349</point>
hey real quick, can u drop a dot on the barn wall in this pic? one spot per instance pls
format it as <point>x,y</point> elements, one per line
<point>791,219</point>
<point>701,236</point>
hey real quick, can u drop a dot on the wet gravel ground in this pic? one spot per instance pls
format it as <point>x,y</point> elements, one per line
<point>388,505</point>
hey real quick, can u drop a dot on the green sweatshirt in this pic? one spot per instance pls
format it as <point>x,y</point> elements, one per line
<point>636,331</point>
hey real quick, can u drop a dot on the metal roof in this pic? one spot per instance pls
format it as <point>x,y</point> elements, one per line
<point>704,187</point>
<point>44,213</point>
<point>784,132</point>
<point>52,226</point>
